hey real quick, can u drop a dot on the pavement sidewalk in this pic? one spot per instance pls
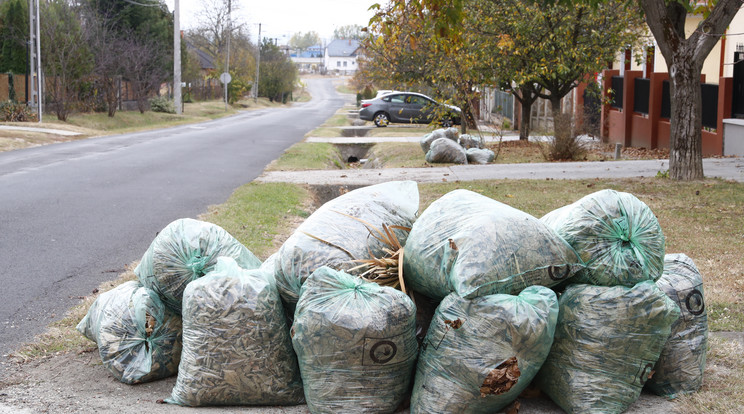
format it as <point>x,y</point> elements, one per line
<point>725,168</point>
<point>44,130</point>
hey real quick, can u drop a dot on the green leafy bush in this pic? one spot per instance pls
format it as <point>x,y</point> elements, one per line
<point>162,104</point>
<point>16,112</point>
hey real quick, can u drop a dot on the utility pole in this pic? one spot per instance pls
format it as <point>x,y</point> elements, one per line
<point>177,58</point>
<point>35,57</point>
<point>227,55</point>
<point>258,65</point>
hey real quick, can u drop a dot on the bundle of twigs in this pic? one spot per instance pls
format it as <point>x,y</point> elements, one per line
<point>386,270</point>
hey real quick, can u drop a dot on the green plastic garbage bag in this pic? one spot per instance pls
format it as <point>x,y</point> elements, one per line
<point>355,342</point>
<point>616,235</point>
<point>236,344</point>
<point>184,251</point>
<point>473,245</point>
<point>480,354</point>
<point>138,337</point>
<point>606,344</point>
<point>680,368</point>
<point>339,232</point>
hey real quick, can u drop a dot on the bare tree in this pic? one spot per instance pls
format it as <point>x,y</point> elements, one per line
<point>211,32</point>
<point>68,61</point>
<point>106,47</point>
<point>143,65</point>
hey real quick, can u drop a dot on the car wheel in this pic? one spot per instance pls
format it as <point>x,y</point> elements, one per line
<point>447,122</point>
<point>381,119</point>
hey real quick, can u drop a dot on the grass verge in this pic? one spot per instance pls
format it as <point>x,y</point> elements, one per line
<point>261,216</point>
<point>308,156</point>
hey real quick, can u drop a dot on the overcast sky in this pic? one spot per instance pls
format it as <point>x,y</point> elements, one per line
<point>281,18</point>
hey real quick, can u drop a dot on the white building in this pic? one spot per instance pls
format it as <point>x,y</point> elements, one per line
<point>341,56</point>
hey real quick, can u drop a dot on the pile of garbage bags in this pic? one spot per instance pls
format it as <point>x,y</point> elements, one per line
<point>582,303</point>
<point>446,145</point>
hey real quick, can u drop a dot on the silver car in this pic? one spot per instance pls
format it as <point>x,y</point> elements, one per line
<point>407,108</point>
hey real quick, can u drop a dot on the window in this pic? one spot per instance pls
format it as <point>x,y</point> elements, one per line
<point>345,63</point>
<point>396,99</point>
<point>338,63</point>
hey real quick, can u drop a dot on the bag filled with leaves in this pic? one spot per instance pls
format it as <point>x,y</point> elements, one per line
<point>184,251</point>
<point>680,368</point>
<point>236,344</point>
<point>138,337</point>
<point>480,354</point>
<point>444,150</point>
<point>355,342</point>
<point>606,344</point>
<point>449,133</point>
<point>340,231</point>
<point>473,245</point>
<point>616,234</point>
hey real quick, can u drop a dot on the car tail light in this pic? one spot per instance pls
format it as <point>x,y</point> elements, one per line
<point>364,105</point>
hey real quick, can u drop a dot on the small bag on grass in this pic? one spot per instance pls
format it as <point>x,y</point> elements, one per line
<point>355,342</point>
<point>476,246</point>
<point>236,344</point>
<point>680,368</point>
<point>616,235</point>
<point>184,251</point>
<point>138,337</point>
<point>479,156</point>
<point>339,232</point>
<point>606,344</point>
<point>480,354</point>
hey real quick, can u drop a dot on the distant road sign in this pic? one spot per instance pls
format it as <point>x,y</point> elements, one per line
<point>225,77</point>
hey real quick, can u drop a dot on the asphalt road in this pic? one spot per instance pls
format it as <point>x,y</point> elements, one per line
<point>72,215</point>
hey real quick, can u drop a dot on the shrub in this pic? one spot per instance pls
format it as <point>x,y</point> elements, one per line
<point>368,92</point>
<point>565,144</point>
<point>16,112</point>
<point>162,104</point>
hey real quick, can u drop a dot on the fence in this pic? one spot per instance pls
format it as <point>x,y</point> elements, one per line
<point>18,85</point>
<point>639,112</point>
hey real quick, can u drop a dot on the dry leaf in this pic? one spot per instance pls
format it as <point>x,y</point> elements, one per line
<point>502,378</point>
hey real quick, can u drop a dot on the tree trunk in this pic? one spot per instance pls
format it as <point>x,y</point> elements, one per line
<point>685,136</point>
<point>526,95</point>
<point>684,57</point>
<point>561,128</point>
<point>524,124</point>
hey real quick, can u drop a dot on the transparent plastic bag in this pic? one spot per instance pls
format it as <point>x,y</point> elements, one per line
<point>184,251</point>
<point>338,233</point>
<point>449,133</point>
<point>606,344</point>
<point>680,368</point>
<point>444,150</point>
<point>355,343</point>
<point>479,156</point>
<point>473,245</point>
<point>617,236</point>
<point>480,354</point>
<point>138,337</point>
<point>236,344</point>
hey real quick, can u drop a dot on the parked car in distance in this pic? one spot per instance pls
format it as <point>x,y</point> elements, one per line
<point>407,108</point>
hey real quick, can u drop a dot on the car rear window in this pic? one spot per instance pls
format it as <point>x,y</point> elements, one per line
<point>395,99</point>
